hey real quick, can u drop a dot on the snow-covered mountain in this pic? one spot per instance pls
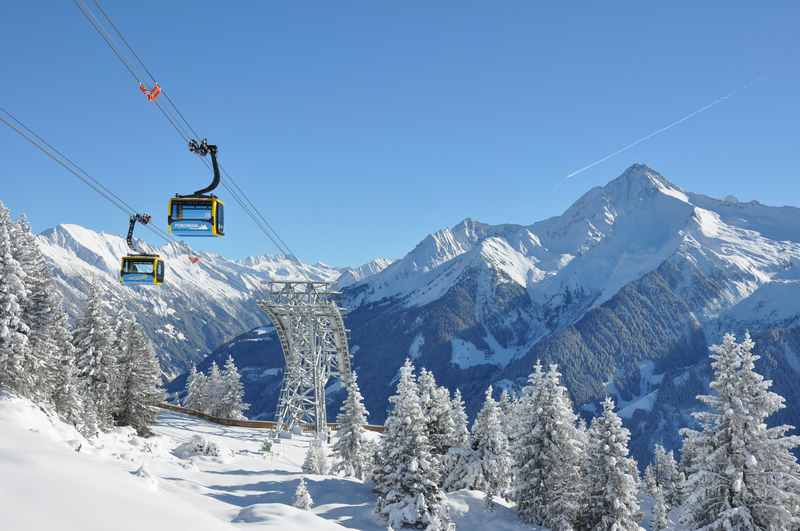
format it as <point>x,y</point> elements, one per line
<point>204,302</point>
<point>625,290</point>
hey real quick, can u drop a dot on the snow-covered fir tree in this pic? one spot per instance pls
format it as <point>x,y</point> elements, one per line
<point>462,469</point>
<point>93,339</point>
<point>120,322</point>
<point>663,473</point>
<point>302,498</point>
<point>220,393</point>
<point>214,391</point>
<point>490,449</point>
<point>14,344</point>
<point>612,479</point>
<point>459,416</point>
<point>140,377</point>
<point>196,391</point>
<point>459,471</point>
<point>316,460</point>
<point>407,476</point>
<point>660,518</point>
<point>351,453</point>
<point>66,395</point>
<point>39,313</point>
<point>650,483</point>
<point>523,411</point>
<point>743,474</point>
<point>232,405</point>
<point>484,463</point>
<point>436,408</point>
<point>506,404</point>
<point>548,458</point>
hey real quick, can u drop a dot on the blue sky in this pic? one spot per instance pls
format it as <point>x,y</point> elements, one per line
<point>360,127</point>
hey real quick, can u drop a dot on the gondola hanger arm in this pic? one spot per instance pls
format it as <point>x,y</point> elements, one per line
<point>144,219</point>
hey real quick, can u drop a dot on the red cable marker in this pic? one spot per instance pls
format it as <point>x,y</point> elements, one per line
<point>152,93</point>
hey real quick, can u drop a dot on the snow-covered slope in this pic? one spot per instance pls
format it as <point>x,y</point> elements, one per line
<point>53,478</point>
<point>279,267</point>
<point>202,303</point>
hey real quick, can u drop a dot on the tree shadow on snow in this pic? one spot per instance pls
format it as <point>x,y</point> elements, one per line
<point>184,423</point>
<point>242,472</point>
<point>351,502</point>
<point>253,493</point>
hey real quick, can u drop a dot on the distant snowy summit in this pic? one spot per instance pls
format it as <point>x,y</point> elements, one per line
<point>609,237</point>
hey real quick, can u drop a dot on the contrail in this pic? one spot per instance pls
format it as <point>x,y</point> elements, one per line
<point>645,138</point>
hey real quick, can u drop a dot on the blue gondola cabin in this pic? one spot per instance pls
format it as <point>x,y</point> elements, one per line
<point>196,216</point>
<point>140,270</point>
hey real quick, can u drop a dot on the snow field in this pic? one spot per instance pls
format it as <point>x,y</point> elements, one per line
<point>52,478</point>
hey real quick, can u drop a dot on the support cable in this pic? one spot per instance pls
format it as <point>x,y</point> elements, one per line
<point>68,164</point>
<point>235,190</point>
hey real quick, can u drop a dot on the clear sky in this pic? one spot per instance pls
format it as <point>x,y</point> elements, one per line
<point>360,127</point>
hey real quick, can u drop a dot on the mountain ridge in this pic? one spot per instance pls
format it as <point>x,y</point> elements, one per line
<point>625,291</point>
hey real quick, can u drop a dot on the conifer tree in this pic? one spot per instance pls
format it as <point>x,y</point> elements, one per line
<point>463,469</point>
<point>548,460</point>
<point>232,400</point>
<point>120,320</point>
<point>663,473</point>
<point>525,410</point>
<point>490,449</point>
<point>435,403</point>
<point>39,313</point>
<point>140,377</point>
<point>350,450</point>
<point>196,391</point>
<point>743,473</point>
<point>302,498</point>
<point>66,396</point>
<point>316,460</point>
<point>612,477</point>
<point>506,404</point>
<point>214,391</point>
<point>14,345</point>
<point>459,470</point>
<point>93,339</point>
<point>459,415</point>
<point>408,474</point>
<point>660,511</point>
<point>650,482</point>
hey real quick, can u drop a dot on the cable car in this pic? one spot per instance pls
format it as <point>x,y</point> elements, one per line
<point>196,216</point>
<point>200,213</point>
<point>140,268</point>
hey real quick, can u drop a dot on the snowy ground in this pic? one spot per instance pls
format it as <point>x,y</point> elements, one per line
<point>51,478</point>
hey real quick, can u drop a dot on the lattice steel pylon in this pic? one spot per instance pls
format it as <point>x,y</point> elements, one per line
<point>314,342</point>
